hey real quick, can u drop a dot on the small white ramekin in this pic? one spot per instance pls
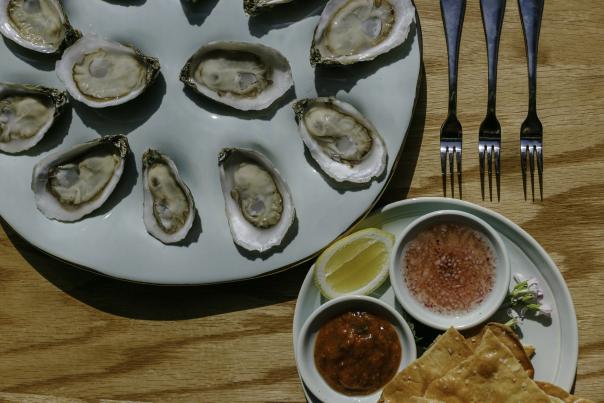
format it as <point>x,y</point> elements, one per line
<point>306,343</point>
<point>465,320</point>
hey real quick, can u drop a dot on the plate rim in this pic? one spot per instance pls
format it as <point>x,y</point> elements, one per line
<point>573,334</point>
<point>418,86</point>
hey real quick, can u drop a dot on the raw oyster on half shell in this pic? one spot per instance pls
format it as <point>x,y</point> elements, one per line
<point>26,114</point>
<point>258,202</point>
<point>341,140</point>
<point>103,73</point>
<point>39,25</point>
<point>254,7</point>
<point>70,184</point>
<point>245,76</point>
<point>168,206</point>
<point>352,31</point>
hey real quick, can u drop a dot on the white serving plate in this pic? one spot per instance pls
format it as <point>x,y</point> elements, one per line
<point>191,130</point>
<point>556,341</point>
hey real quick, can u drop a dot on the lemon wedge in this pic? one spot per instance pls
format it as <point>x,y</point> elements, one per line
<point>355,264</point>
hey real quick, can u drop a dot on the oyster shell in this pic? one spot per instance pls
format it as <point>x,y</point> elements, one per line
<point>258,203</point>
<point>245,76</point>
<point>344,143</point>
<point>352,31</point>
<point>70,184</point>
<point>254,7</point>
<point>102,73</point>
<point>168,206</point>
<point>39,25</point>
<point>26,114</point>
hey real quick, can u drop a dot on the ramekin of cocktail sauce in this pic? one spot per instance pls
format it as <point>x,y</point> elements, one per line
<point>357,352</point>
<point>352,346</point>
<point>450,268</point>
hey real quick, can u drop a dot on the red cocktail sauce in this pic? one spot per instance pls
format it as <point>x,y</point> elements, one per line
<point>357,353</point>
<point>449,268</point>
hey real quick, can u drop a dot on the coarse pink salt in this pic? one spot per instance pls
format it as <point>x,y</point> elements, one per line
<point>449,268</point>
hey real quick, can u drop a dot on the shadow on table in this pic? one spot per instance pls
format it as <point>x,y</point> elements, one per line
<point>154,302</point>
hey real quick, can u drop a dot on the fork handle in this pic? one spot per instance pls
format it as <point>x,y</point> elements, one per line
<point>453,12</point>
<point>531,12</point>
<point>492,19</point>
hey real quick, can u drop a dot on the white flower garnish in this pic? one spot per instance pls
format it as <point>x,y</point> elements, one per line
<point>524,299</point>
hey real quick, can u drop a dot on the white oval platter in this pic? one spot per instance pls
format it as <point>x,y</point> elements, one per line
<point>191,130</point>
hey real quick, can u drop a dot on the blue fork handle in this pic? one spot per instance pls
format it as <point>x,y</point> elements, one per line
<point>531,12</point>
<point>453,12</point>
<point>492,19</point>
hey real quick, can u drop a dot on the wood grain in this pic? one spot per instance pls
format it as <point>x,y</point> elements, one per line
<point>69,335</point>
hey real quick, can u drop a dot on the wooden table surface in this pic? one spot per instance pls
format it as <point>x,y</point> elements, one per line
<point>67,334</point>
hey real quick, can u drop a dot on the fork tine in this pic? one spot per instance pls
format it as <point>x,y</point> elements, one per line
<point>451,171</point>
<point>458,156</point>
<point>443,168</point>
<point>540,169</point>
<point>523,151</point>
<point>481,161</point>
<point>490,170</point>
<point>532,165</point>
<point>497,171</point>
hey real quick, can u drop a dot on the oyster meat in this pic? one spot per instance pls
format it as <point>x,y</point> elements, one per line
<point>39,25</point>
<point>352,31</point>
<point>26,114</point>
<point>255,192</point>
<point>102,73</point>
<point>168,206</point>
<point>254,7</point>
<point>245,76</point>
<point>340,139</point>
<point>71,184</point>
<point>258,203</point>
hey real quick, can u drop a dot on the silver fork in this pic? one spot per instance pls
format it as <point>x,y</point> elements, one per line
<point>451,132</point>
<point>489,135</point>
<point>531,131</point>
